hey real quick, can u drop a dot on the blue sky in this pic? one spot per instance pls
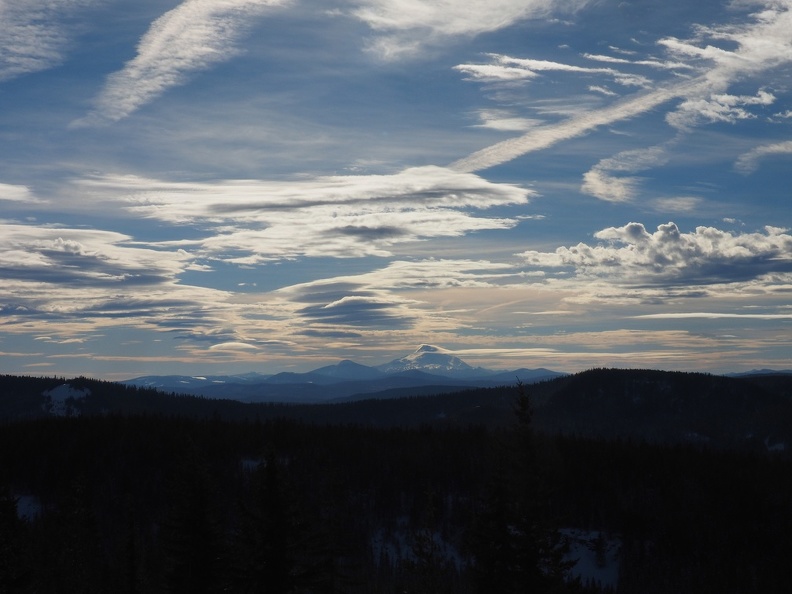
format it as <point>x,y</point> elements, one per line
<point>222,186</point>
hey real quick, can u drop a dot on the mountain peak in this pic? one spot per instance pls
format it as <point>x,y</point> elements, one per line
<point>429,348</point>
<point>430,359</point>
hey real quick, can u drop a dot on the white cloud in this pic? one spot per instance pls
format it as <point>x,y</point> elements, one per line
<point>599,181</point>
<point>630,255</point>
<point>192,37</point>
<point>14,193</point>
<point>341,216</point>
<point>404,27</point>
<point>762,44</point>
<point>677,204</point>
<point>504,121</point>
<point>713,316</point>
<point>749,162</point>
<point>82,257</point>
<point>717,108</point>
<point>507,68</point>
<point>660,64</point>
<point>34,35</point>
<point>542,137</point>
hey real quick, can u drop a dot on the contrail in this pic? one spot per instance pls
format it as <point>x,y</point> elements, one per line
<point>545,136</point>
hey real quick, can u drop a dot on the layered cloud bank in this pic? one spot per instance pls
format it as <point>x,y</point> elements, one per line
<point>340,216</point>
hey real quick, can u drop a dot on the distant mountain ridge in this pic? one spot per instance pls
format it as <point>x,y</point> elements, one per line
<point>651,405</point>
<point>428,365</point>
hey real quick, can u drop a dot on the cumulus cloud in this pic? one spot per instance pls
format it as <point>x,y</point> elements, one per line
<point>631,255</point>
<point>34,34</point>
<point>194,36</point>
<point>749,162</point>
<point>341,216</point>
<point>404,27</point>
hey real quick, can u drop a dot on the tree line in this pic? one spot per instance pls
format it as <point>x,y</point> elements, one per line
<point>164,503</point>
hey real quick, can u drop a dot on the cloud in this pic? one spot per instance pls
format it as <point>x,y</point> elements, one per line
<point>85,279</point>
<point>717,108</point>
<point>547,135</point>
<point>34,34</point>
<point>653,63</point>
<point>82,257</point>
<point>233,346</point>
<point>677,204</point>
<point>713,316</point>
<point>507,68</point>
<point>388,298</point>
<point>405,27</point>
<point>337,216</point>
<point>600,183</point>
<point>194,36</point>
<point>14,193</point>
<point>762,44</point>
<point>749,162</point>
<point>631,256</point>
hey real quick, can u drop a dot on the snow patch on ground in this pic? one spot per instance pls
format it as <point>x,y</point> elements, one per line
<point>597,555</point>
<point>61,401</point>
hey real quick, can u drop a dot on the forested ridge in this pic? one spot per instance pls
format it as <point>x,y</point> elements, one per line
<point>143,501</point>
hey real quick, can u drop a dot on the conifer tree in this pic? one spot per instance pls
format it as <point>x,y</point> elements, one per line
<point>276,549</point>
<point>14,571</point>
<point>515,546</point>
<point>191,533</point>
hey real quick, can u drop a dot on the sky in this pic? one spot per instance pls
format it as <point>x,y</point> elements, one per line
<point>226,186</point>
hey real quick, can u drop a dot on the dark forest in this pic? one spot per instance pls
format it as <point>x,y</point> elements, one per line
<point>191,495</point>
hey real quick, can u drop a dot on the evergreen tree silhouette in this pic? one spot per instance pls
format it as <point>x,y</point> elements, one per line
<point>515,546</point>
<point>14,568</point>
<point>192,536</point>
<point>277,550</point>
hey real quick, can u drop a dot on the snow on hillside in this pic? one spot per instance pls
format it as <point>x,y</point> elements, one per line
<point>60,401</point>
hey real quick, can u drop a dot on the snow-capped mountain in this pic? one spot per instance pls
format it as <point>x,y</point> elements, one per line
<point>428,365</point>
<point>432,359</point>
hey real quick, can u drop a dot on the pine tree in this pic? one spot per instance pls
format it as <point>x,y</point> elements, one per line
<point>14,572</point>
<point>515,546</point>
<point>276,549</point>
<point>192,536</point>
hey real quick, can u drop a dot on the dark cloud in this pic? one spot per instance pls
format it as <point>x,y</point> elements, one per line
<point>329,334</point>
<point>358,311</point>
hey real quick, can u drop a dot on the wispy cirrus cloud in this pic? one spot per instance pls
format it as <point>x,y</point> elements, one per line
<point>762,44</point>
<point>507,68</point>
<point>404,27</point>
<point>601,182</point>
<point>36,34</point>
<point>749,162</point>
<point>194,36</point>
<point>340,216</point>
